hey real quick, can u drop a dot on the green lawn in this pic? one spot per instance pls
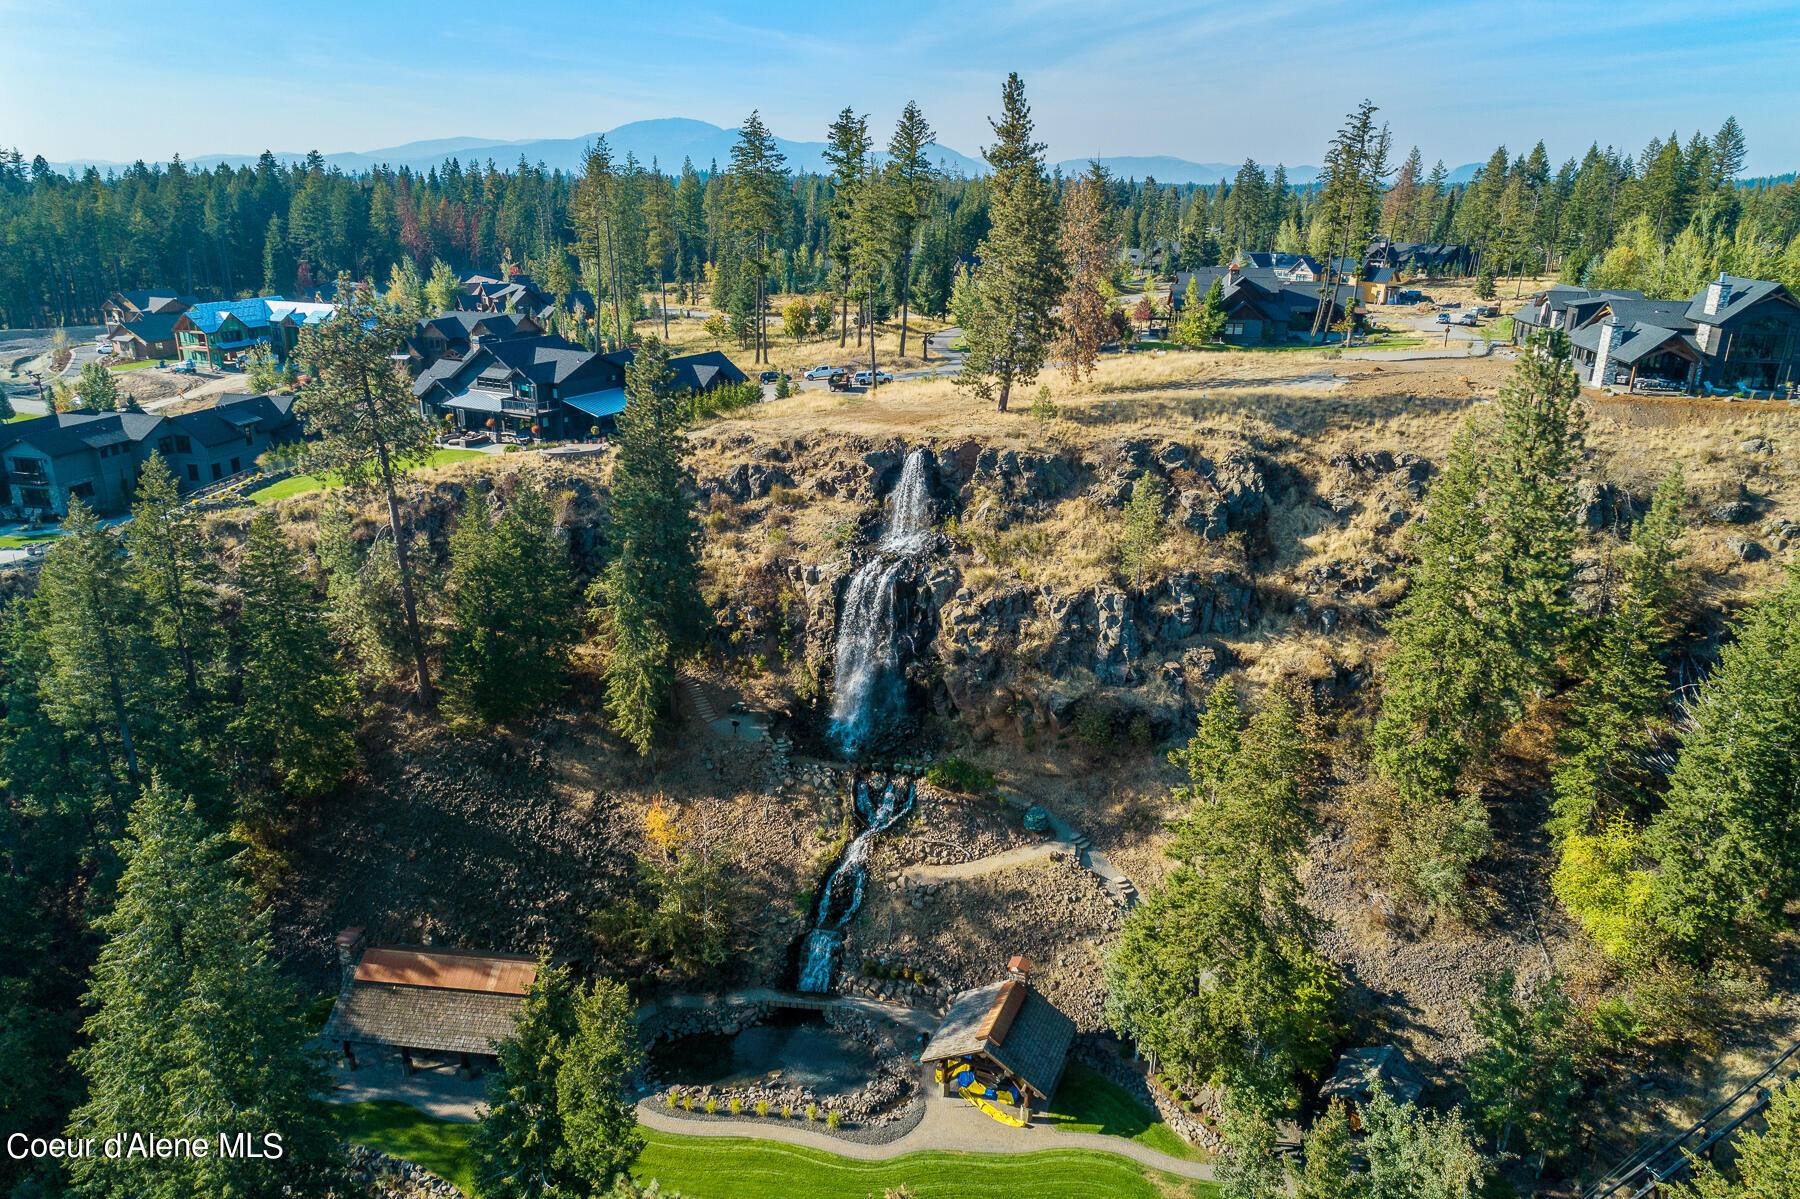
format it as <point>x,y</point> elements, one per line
<point>745,1168</point>
<point>139,365</point>
<point>301,484</point>
<point>748,1168</point>
<point>1087,1101</point>
<point>404,1131</point>
<point>21,541</point>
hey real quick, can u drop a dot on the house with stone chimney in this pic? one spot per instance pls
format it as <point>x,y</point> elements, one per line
<point>412,1000</point>
<point>1007,1037</point>
<point>1735,336</point>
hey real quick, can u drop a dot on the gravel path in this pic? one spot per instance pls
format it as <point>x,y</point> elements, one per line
<point>1004,860</point>
<point>949,1124</point>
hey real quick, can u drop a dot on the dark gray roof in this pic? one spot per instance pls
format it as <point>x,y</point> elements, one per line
<point>1273,297</point>
<point>1034,1048</point>
<point>1641,340</point>
<point>1738,297</point>
<point>236,414</point>
<point>1351,1080</point>
<point>156,326</point>
<point>73,432</point>
<point>1670,314</point>
<point>692,372</point>
<point>156,300</point>
<point>552,360</point>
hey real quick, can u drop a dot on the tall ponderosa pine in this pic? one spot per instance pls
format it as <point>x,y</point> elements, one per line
<point>367,422</point>
<point>847,149</point>
<point>650,586</point>
<point>1004,305</point>
<point>512,605</point>
<point>593,215</point>
<point>294,697</point>
<point>557,1123</point>
<point>1215,971</point>
<point>1525,1077</point>
<point>194,1028</point>
<point>756,198</point>
<point>1349,204</point>
<point>1726,843</point>
<point>362,595</point>
<point>910,179</point>
<point>1092,255</point>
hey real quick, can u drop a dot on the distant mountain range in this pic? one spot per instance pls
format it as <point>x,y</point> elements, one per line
<point>669,141</point>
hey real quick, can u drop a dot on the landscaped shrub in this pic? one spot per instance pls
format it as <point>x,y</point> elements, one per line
<point>762,1107</point>
<point>712,1107</point>
<point>737,1106</point>
<point>688,1103</point>
<point>1095,723</point>
<point>812,1112</point>
<point>956,774</point>
<point>787,1111</point>
<point>670,1099</point>
<point>832,1119</point>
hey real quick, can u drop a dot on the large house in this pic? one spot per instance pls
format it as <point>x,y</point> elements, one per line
<point>453,334</point>
<point>1735,335</point>
<point>1427,257</point>
<point>123,307</point>
<point>488,293</point>
<point>151,336</point>
<point>218,334</point>
<point>546,386</point>
<point>1261,306</point>
<point>96,456</point>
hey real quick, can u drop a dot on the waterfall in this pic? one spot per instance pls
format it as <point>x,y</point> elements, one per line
<point>867,667</point>
<point>839,905</point>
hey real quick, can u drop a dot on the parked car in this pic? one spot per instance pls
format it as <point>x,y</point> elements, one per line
<point>184,367</point>
<point>864,379</point>
<point>1443,318</point>
<point>1453,303</point>
<point>839,381</point>
<point>773,377</point>
<point>819,372</point>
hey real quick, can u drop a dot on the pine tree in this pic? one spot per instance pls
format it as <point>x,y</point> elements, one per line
<point>1617,714</point>
<point>649,587</point>
<point>513,616</point>
<point>1725,843</point>
<point>194,1028</point>
<point>175,571</point>
<point>1092,255</point>
<point>1330,1153</point>
<point>294,697</point>
<point>1143,529</point>
<point>1524,1078</point>
<point>1248,1167</point>
<point>1189,329</point>
<point>757,203</point>
<point>1410,1153</point>
<point>1215,971</point>
<point>910,179</point>
<point>556,1124</point>
<point>847,149</point>
<point>1004,306</point>
<point>101,668</point>
<point>1209,323</point>
<point>368,427</point>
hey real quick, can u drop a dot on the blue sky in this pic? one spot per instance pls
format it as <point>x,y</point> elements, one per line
<point>1203,81</point>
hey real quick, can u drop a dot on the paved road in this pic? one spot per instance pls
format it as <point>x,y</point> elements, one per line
<point>949,1124</point>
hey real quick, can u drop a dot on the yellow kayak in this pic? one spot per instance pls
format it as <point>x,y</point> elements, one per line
<point>991,1110</point>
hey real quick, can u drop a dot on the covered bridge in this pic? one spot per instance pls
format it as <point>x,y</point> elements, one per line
<point>412,999</point>
<point>1013,1041</point>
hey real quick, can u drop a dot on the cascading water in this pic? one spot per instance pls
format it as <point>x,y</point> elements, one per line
<point>844,889</point>
<point>867,667</point>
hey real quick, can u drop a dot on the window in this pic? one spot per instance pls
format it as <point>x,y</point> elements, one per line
<point>165,445</point>
<point>1234,328</point>
<point>193,473</point>
<point>216,472</point>
<point>82,491</point>
<point>31,468</point>
<point>234,466</point>
<point>182,444</point>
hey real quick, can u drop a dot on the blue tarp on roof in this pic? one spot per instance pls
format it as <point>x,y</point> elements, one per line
<point>252,313</point>
<point>599,403</point>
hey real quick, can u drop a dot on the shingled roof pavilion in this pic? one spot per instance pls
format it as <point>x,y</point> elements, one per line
<point>1009,1027</point>
<point>450,1001</point>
